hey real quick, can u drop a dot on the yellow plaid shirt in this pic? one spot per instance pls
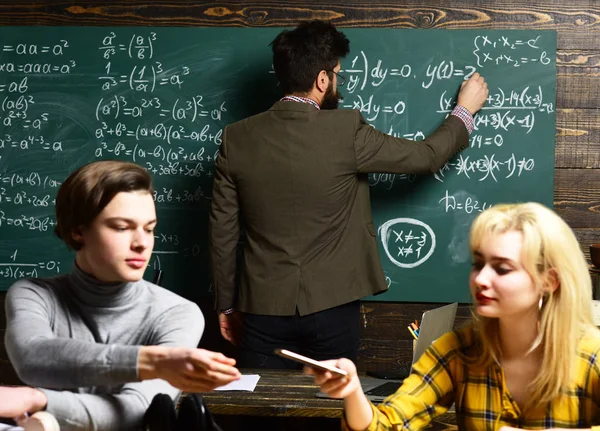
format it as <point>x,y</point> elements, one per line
<point>481,399</point>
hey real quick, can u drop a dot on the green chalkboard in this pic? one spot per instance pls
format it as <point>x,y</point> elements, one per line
<point>161,97</point>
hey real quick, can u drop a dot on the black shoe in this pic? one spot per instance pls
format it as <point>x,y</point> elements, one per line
<point>161,415</point>
<point>194,415</point>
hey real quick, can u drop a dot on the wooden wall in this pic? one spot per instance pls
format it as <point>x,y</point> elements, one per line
<point>385,341</point>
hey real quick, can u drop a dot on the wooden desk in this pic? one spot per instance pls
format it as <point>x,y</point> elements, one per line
<point>278,393</point>
<point>288,399</point>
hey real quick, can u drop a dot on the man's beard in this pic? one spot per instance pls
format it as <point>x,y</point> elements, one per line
<point>331,99</point>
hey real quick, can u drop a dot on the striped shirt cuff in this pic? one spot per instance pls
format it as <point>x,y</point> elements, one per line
<point>466,117</point>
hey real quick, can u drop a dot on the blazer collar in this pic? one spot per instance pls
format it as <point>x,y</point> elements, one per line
<point>292,106</point>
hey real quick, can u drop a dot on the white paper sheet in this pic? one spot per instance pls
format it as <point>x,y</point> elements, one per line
<point>246,383</point>
<point>4,427</point>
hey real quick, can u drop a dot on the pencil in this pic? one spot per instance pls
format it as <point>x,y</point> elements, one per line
<point>413,333</point>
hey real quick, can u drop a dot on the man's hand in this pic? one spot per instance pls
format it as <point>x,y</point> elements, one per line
<point>15,402</point>
<point>231,326</point>
<point>191,370</point>
<point>473,93</point>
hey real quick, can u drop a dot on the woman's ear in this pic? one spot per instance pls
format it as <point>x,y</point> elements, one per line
<point>552,281</point>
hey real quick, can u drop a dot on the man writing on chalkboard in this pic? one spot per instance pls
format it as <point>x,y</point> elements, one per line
<point>294,181</point>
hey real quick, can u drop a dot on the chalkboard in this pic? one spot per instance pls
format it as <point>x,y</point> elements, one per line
<point>161,96</point>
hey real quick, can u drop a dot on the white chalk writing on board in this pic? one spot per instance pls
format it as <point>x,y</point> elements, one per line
<point>407,242</point>
<point>145,107</point>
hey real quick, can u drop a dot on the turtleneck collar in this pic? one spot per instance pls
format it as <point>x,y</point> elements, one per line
<point>95,293</point>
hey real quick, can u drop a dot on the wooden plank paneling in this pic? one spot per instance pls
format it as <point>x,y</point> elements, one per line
<point>577,196</point>
<point>577,79</point>
<point>578,22</point>
<point>577,138</point>
<point>586,237</point>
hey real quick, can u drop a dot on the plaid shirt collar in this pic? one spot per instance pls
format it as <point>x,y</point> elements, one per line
<point>300,99</point>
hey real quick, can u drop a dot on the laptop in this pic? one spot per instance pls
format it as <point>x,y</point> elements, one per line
<point>434,324</point>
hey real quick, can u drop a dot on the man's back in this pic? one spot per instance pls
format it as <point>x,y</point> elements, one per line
<point>297,178</point>
<point>306,210</point>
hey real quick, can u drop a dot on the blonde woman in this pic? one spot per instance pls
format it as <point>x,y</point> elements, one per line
<point>529,359</point>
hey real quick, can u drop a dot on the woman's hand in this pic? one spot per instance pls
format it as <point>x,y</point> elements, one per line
<point>333,385</point>
<point>357,408</point>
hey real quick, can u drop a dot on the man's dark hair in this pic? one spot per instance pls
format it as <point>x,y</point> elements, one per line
<point>300,54</point>
<point>89,189</point>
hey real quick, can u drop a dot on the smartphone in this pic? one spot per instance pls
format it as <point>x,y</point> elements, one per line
<point>310,362</point>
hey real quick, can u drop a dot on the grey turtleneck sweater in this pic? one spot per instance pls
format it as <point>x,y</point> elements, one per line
<point>79,339</point>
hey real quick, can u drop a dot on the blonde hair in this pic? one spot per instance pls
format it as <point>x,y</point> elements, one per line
<point>550,252</point>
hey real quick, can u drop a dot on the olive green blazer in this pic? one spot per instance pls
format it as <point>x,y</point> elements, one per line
<point>294,182</point>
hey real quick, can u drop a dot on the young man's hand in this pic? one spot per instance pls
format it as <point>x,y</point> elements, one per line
<point>191,370</point>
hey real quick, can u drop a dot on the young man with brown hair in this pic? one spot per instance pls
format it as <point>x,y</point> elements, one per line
<point>99,343</point>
